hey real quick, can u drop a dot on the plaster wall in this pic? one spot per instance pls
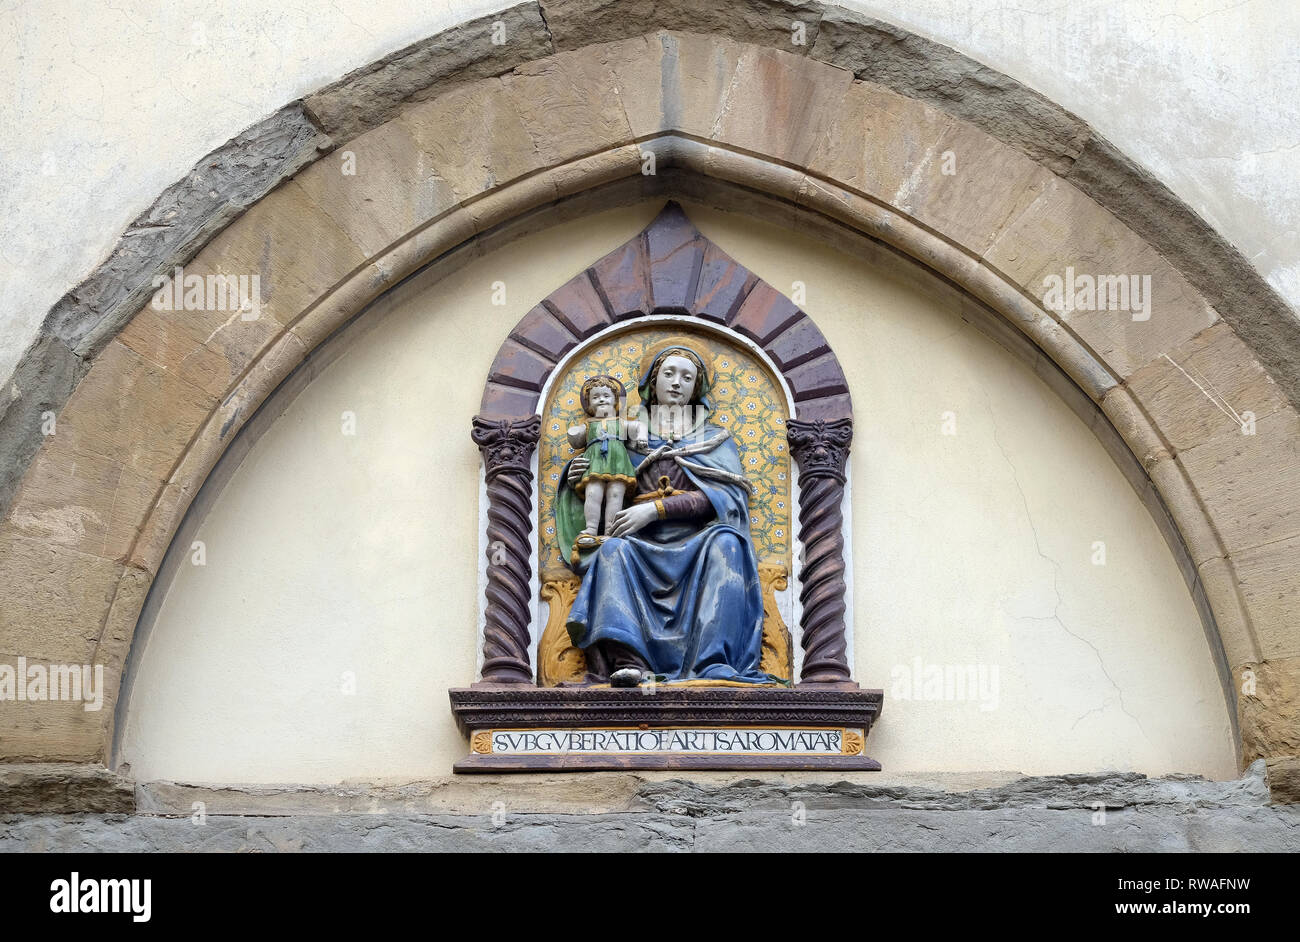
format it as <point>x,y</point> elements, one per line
<point>334,559</point>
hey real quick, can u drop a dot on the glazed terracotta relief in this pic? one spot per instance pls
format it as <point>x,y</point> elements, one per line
<point>655,391</point>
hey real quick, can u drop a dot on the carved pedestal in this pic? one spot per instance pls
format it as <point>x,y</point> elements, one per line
<point>524,729</point>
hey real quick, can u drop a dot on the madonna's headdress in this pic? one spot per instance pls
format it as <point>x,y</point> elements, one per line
<point>675,347</point>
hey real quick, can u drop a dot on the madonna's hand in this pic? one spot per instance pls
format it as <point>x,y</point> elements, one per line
<point>630,519</point>
<point>577,468</point>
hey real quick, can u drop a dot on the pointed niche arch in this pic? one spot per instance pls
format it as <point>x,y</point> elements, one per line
<point>669,268</point>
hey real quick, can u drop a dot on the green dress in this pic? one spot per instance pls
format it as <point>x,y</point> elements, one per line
<point>607,458</point>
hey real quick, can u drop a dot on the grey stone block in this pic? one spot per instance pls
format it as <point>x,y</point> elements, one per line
<point>180,222</point>
<point>52,787</point>
<point>41,383</point>
<point>369,96</point>
<point>1275,829</point>
<point>804,813</point>
<point>911,65</point>
<point>611,833</point>
<point>578,23</point>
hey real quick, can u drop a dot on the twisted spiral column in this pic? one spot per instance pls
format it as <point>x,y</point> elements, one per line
<point>507,447</point>
<point>821,450</point>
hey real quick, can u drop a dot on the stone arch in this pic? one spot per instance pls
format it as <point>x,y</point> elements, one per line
<point>483,145</point>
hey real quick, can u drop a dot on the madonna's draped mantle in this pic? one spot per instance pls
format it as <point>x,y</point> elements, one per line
<point>683,595</point>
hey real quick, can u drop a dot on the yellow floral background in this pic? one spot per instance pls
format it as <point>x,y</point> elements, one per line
<point>746,400</point>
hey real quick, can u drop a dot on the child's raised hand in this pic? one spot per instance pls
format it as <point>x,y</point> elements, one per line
<point>577,468</point>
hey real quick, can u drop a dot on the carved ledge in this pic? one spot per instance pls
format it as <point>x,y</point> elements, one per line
<point>843,715</point>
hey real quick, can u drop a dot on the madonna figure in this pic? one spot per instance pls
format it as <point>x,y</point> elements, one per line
<point>672,588</point>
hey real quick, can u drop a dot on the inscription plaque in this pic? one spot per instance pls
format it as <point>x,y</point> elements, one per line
<point>676,740</point>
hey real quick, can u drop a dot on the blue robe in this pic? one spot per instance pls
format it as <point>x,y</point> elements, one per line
<point>683,594</point>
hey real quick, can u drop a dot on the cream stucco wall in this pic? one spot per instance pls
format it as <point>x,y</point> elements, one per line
<point>329,553</point>
<point>105,105</point>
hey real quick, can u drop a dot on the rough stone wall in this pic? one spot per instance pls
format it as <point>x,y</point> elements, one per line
<point>624,812</point>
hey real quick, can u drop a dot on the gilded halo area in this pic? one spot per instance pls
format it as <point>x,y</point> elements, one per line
<point>747,401</point>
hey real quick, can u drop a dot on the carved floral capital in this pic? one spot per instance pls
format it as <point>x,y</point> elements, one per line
<point>506,444</point>
<point>820,447</point>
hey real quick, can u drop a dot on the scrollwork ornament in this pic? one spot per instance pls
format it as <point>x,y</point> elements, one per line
<point>852,743</point>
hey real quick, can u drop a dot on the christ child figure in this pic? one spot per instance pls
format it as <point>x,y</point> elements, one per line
<point>609,469</point>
